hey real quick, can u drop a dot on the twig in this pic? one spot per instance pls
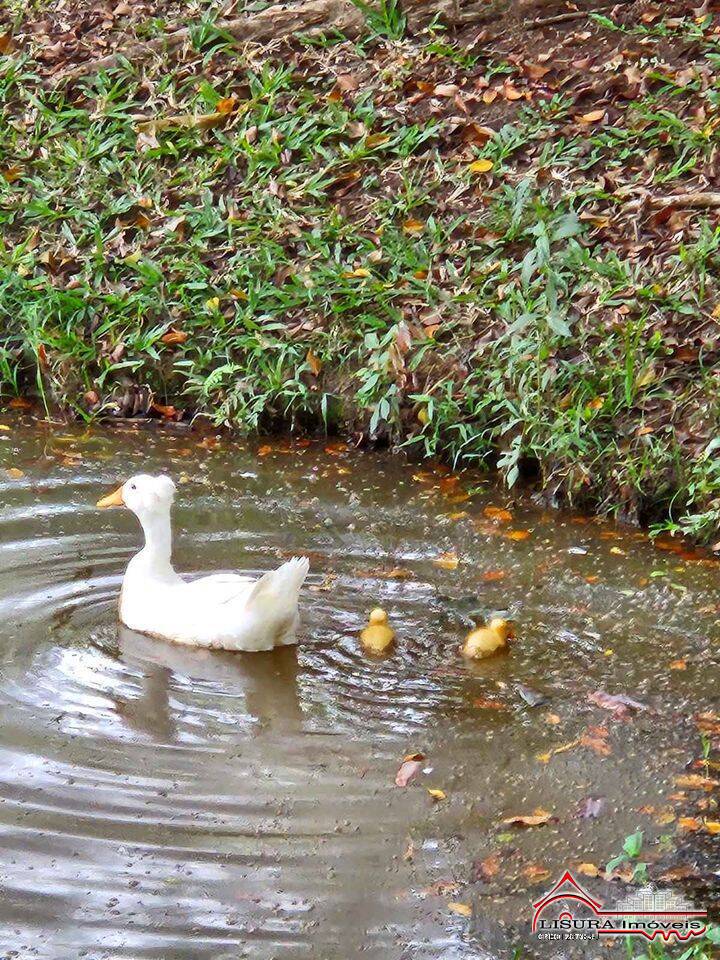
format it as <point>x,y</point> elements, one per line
<point>563,17</point>
<point>698,200</point>
<point>268,24</point>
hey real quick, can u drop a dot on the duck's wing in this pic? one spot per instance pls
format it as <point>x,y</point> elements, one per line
<point>218,588</point>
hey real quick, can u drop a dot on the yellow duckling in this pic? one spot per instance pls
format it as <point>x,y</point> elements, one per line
<point>485,641</point>
<point>378,636</point>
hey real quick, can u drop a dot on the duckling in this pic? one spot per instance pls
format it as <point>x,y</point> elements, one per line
<point>485,641</point>
<point>378,636</point>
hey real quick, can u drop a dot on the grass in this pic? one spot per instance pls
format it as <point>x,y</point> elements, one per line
<point>317,256</point>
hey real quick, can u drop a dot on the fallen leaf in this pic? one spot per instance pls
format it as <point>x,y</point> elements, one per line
<point>678,665</point>
<point>413,226</point>
<point>6,43</point>
<point>593,116</point>
<point>712,827</point>
<point>486,869</point>
<point>448,561</point>
<point>376,140</point>
<point>314,363</point>
<point>481,166</point>
<point>165,411</point>
<point>13,173</point>
<point>695,781</point>
<point>536,819</point>
<point>15,473</point>
<point>462,909</point>
<point>588,869</point>
<point>497,513</point>
<point>491,576</point>
<point>485,703</point>
<point>226,105</point>
<point>437,794</point>
<point>409,769</point>
<point>518,535</point>
<point>552,718</point>
<point>688,824</point>
<point>533,698</point>
<point>618,704</point>
<point>563,748</point>
<point>535,873</point>
<point>174,336</point>
<point>590,808</point>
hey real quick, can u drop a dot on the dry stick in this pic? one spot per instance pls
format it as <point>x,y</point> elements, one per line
<point>563,17</point>
<point>697,200</point>
<point>268,24</point>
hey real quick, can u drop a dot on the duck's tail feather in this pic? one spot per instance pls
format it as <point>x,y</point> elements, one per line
<point>281,585</point>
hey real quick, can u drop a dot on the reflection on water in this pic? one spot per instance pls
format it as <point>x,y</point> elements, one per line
<point>163,802</point>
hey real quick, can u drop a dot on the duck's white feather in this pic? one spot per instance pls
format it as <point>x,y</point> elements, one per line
<point>224,611</point>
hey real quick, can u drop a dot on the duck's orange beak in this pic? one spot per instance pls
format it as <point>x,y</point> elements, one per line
<point>114,499</point>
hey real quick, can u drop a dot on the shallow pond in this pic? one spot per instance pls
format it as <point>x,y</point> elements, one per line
<point>157,802</point>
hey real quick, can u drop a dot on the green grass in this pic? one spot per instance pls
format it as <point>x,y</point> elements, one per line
<point>329,260</point>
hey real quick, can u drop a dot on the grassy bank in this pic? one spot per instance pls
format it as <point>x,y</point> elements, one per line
<point>464,243</point>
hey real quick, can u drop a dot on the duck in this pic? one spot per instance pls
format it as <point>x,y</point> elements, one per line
<point>222,611</point>
<point>485,641</point>
<point>378,636</point>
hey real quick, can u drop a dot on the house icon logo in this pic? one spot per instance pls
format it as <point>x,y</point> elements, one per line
<point>569,912</point>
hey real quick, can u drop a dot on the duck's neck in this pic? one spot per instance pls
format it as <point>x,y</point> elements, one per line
<point>158,542</point>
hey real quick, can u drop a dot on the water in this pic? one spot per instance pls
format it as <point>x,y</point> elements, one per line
<point>160,802</point>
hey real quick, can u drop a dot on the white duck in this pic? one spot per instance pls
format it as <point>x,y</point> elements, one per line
<point>224,610</point>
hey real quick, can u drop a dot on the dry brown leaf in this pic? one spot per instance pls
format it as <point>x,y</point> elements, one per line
<point>536,819</point>
<point>593,116</point>
<point>486,869</point>
<point>413,227</point>
<point>688,824</point>
<point>497,513</point>
<point>695,781</point>
<point>314,363</point>
<point>174,336</point>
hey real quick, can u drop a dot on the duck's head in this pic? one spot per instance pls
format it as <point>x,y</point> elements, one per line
<point>378,617</point>
<point>142,494</point>
<point>504,628</point>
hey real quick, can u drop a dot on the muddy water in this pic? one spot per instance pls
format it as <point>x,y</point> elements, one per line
<point>157,802</point>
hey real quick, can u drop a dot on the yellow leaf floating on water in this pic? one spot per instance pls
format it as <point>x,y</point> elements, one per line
<point>448,561</point>
<point>545,757</point>
<point>518,535</point>
<point>462,909</point>
<point>536,819</point>
<point>481,166</point>
<point>436,793</point>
